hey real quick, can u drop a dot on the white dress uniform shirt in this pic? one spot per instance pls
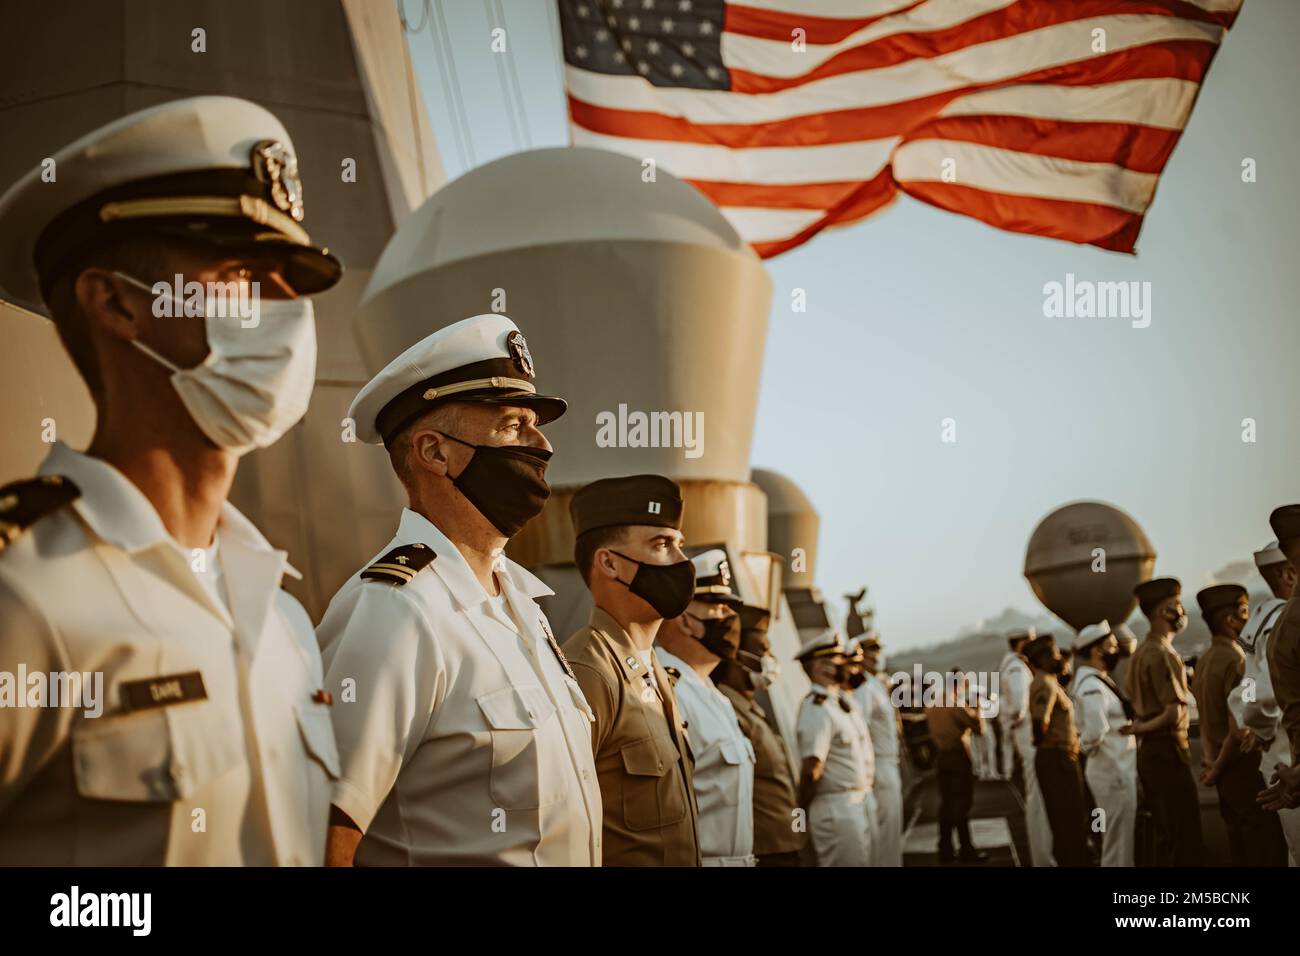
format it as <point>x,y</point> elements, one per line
<point>1013,711</point>
<point>842,818</point>
<point>1254,705</point>
<point>872,699</point>
<point>1111,761</point>
<point>237,774</point>
<point>724,767</point>
<point>467,742</point>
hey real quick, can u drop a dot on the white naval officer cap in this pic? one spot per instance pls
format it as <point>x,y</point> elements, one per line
<point>713,580</point>
<point>826,644</point>
<point>1091,634</point>
<point>480,359</point>
<point>1271,553</point>
<point>211,169</point>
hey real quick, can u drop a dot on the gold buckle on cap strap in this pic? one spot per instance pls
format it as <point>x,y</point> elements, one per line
<point>245,207</point>
<point>495,382</point>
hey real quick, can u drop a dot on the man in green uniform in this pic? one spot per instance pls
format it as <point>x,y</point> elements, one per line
<point>1254,834</point>
<point>950,727</point>
<point>777,842</point>
<point>1157,689</point>
<point>1056,753</point>
<point>629,551</point>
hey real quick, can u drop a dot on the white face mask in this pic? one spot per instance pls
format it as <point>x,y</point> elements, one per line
<point>766,677</point>
<point>256,381</point>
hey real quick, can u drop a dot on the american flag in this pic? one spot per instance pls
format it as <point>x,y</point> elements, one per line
<point>1052,117</point>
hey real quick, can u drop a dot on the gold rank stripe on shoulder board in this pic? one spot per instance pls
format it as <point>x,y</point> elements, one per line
<point>401,565</point>
<point>23,503</point>
<point>673,675</point>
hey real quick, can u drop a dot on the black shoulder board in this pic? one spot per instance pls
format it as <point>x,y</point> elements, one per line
<point>23,503</point>
<point>817,699</point>
<point>401,564</point>
<point>673,675</point>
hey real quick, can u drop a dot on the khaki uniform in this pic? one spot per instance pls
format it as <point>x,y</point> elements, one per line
<point>1284,668</point>
<point>950,727</point>
<point>1049,704</point>
<point>642,760</point>
<point>1254,834</point>
<point>950,731</point>
<point>1219,670</point>
<point>774,784</point>
<point>1156,679</point>
<point>1056,765</point>
<point>225,754</point>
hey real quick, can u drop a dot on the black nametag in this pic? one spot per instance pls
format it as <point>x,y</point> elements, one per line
<point>163,691</point>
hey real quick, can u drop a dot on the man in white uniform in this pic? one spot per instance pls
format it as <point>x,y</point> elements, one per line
<point>199,733</point>
<point>1111,757</point>
<point>1013,712</point>
<point>836,760</point>
<point>465,738</point>
<point>690,647</point>
<point>1253,703</point>
<point>872,699</point>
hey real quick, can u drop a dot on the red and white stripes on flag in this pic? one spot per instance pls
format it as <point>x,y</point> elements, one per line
<point>1051,117</point>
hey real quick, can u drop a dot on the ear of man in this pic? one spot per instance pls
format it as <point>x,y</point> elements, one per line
<point>421,447</point>
<point>86,294</point>
<point>587,545</point>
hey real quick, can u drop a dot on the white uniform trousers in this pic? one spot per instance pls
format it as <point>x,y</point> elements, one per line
<point>1116,796</point>
<point>888,791</point>
<point>1279,754</point>
<point>839,825</point>
<point>1040,831</point>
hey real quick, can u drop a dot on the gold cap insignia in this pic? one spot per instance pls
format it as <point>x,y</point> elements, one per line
<point>518,349</point>
<point>274,164</point>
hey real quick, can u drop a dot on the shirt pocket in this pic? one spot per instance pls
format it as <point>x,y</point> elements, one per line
<point>521,721</point>
<point>318,737</point>
<point>653,791</point>
<point>151,756</point>
<point>733,756</point>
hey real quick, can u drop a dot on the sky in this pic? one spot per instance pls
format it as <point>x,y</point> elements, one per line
<point>918,315</point>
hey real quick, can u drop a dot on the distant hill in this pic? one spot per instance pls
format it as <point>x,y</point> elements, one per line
<point>980,647</point>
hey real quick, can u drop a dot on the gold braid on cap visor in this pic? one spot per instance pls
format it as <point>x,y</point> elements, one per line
<point>242,207</point>
<point>518,384</point>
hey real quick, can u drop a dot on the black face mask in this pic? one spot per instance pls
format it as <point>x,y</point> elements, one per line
<point>506,483</point>
<point>855,679</point>
<point>665,587</point>
<point>1111,660</point>
<point>721,635</point>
